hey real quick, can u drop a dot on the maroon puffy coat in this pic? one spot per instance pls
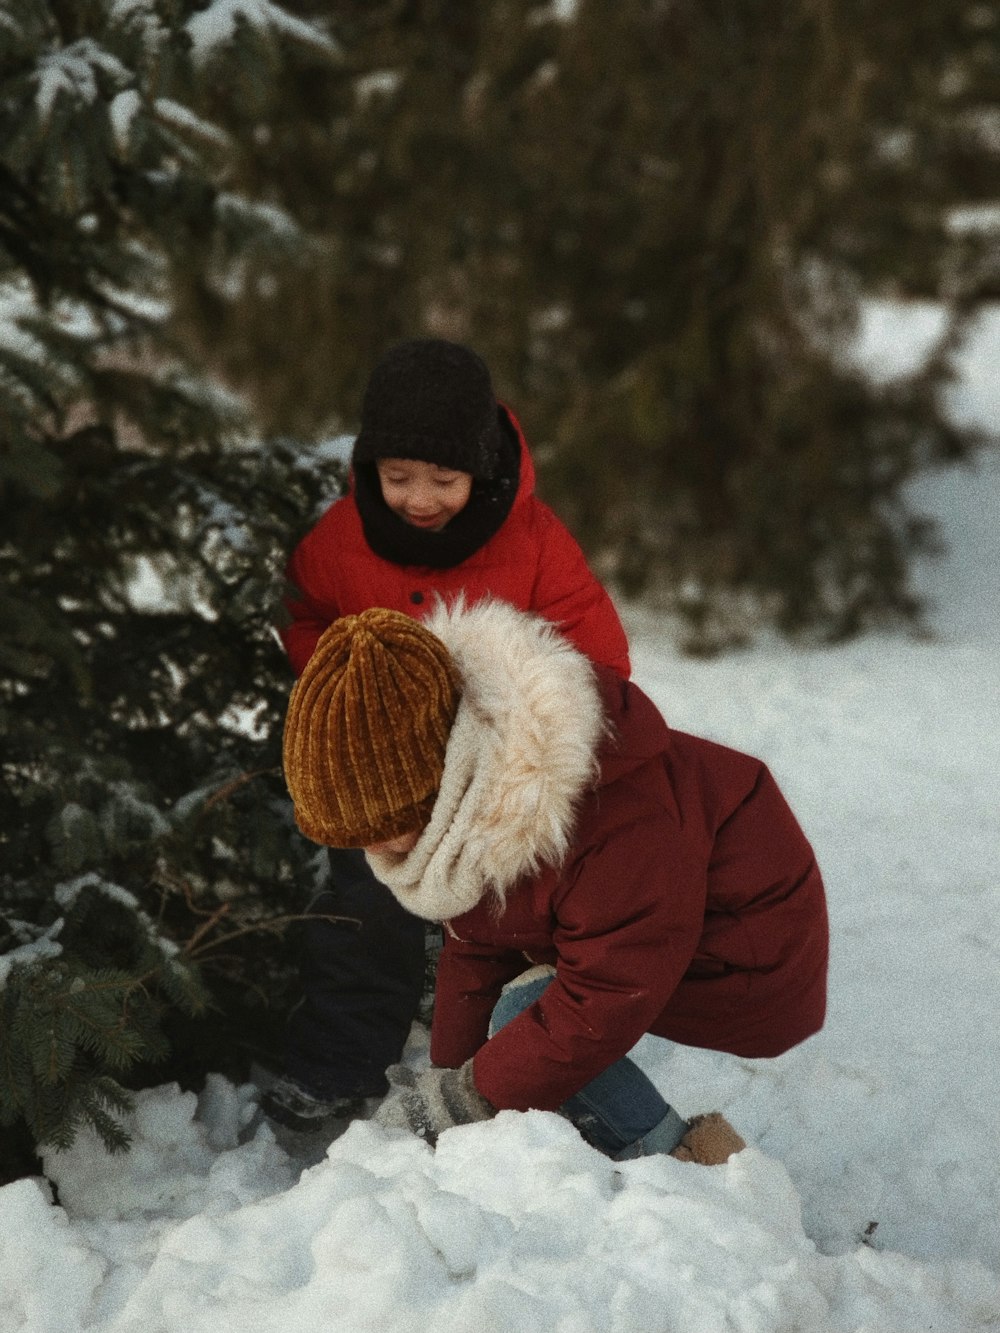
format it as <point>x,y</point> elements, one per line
<point>691,906</point>
<point>532,562</point>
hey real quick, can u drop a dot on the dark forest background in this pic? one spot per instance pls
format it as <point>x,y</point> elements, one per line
<point>658,223</point>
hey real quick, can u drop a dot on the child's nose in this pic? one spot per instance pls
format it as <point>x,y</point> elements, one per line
<point>423,500</point>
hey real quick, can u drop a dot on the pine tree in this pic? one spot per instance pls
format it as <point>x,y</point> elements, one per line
<point>147,848</point>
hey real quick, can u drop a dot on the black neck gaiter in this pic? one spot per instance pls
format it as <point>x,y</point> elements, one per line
<point>490,502</point>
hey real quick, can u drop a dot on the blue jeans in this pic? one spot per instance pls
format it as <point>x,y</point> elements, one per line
<point>619,1112</point>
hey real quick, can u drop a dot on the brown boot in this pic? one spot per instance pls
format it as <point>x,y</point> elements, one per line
<point>710,1141</point>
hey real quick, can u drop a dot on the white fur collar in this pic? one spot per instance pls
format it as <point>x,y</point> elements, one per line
<point>521,753</point>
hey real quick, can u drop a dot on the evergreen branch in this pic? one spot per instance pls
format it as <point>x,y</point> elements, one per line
<point>224,792</point>
<point>273,926</point>
<point>213,919</point>
<point>115,1138</point>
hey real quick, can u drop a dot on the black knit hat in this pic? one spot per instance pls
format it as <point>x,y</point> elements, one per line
<point>433,401</point>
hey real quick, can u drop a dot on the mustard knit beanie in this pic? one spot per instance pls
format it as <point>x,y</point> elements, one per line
<point>367,728</point>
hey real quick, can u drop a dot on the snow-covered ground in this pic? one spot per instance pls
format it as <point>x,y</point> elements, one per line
<point>869,1199</point>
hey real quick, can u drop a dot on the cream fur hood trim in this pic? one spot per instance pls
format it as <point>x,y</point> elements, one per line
<point>522,751</point>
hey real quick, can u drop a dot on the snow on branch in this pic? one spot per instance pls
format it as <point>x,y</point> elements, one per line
<point>34,951</point>
<point>67,893</point>
<point>217,24</point>
<point>75,72</point>
<point>180,117</point>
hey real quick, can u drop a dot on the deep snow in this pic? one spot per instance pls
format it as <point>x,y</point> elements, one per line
<point>868,1199</point>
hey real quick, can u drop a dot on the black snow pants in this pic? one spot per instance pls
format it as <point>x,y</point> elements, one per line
<point>362,980</point>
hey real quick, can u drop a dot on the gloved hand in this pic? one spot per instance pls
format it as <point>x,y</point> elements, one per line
<point>432,1101</point>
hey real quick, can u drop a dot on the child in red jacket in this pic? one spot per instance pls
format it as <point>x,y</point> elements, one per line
<point>441,504</point>
<point>599,875</point>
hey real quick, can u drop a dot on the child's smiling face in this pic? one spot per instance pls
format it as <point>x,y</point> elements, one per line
<point>423,494</point>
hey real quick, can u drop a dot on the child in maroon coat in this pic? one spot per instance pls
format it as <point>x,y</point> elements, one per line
<point>441,504</point>
<point>599,876</point>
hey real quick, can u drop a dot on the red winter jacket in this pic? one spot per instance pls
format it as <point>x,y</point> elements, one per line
<point>691,906</point>
<point>532,562</point>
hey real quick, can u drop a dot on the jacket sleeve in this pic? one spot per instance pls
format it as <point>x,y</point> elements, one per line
<point>567,593</point>
<point>627,927</point>
<point>468,985</point>
<point>307,605</point>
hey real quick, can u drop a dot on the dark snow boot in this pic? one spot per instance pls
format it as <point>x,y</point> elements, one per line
<point>305,1125</point>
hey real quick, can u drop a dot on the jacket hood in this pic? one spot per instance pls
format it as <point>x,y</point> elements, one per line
<point>637,730</point>
<point>526,476</point>
<point>522,752</point>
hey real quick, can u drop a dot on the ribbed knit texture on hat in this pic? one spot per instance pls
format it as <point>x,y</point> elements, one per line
<point>431,400</point>
<point>367,729</point>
